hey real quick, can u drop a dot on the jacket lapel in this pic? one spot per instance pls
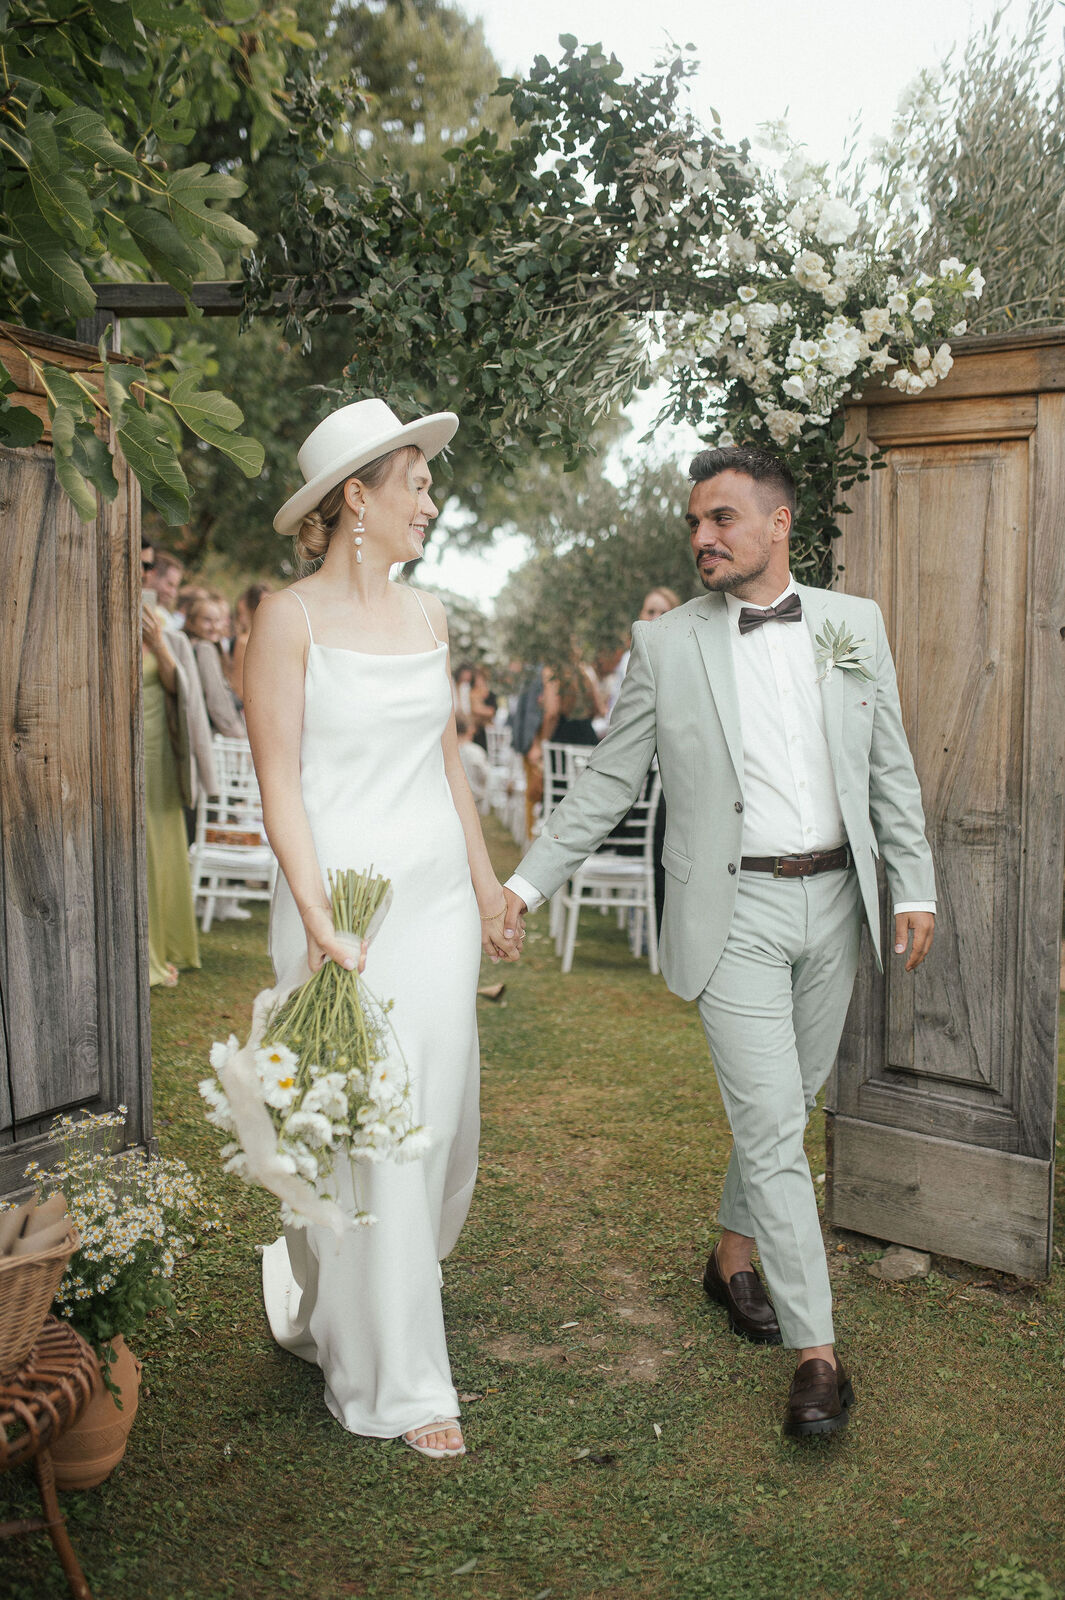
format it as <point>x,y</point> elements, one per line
<point>712,635</point>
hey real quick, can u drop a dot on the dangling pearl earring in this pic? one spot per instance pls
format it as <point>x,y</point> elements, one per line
<point>358,534</point>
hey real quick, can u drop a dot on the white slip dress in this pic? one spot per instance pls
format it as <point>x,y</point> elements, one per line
<point>367,1307</point>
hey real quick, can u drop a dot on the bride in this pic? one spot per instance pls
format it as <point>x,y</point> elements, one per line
<point>347,695</point>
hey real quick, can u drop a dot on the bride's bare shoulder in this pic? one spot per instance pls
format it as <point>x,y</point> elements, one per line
<point>434,610</point>
<point>280,618</point>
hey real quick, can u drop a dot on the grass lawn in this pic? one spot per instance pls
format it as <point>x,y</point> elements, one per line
<point>622,1442</point>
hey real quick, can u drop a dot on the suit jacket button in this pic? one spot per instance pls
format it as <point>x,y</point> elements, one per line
<point>739,805</point>
<point>732,868</point>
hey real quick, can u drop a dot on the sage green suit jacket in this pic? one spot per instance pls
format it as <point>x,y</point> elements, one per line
<point>679,700</point>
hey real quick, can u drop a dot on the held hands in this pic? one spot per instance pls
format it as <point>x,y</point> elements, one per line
<point>515,917</point>
<point>502,934</point>
<point>922,924</point>
<point>323,944</point>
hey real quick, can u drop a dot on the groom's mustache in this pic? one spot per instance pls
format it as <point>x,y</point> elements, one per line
<point>706,555</point>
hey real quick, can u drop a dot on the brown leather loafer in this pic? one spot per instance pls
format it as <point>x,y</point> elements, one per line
<point>819,1400</point>
<point>750,1310</point>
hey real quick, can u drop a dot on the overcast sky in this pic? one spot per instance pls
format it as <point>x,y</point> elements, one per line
<point>823,62</point>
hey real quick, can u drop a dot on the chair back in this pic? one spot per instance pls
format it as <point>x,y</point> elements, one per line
<point>498,741</point>
<point>233,816</point>
<point>562,764</point>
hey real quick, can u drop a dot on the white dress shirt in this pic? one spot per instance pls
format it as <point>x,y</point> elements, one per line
<point>790,804</point>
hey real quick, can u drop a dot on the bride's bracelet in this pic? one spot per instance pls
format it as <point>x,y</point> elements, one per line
<point>492,915</point>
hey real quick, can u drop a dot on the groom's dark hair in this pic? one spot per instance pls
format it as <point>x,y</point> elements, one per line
<point>760,465</point>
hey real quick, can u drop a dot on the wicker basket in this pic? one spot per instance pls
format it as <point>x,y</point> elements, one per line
<point>27,1288</point>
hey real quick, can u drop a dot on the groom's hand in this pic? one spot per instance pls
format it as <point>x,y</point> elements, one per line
<point>514,919</point>
<point>922,924</point>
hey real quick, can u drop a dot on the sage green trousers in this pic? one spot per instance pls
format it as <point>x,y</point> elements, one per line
<point>773,1012</point>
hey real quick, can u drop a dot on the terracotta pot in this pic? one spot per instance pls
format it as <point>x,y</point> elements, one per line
<point>89,1451</point>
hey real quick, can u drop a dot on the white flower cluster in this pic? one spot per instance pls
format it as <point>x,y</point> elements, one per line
<point>319,1111</point>
<point>797,356</point>
<point>812,311</point>
<point>132,1211</point>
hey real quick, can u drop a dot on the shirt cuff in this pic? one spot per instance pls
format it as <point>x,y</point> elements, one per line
<point>915,905</point>
<point>525,891</point>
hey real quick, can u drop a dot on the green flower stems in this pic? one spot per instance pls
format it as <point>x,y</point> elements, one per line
<point>333,1006</point>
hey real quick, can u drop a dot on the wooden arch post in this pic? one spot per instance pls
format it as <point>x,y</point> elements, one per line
<point>940,1115</point>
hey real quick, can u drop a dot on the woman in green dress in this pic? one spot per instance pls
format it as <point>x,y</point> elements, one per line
<point>172,941</point>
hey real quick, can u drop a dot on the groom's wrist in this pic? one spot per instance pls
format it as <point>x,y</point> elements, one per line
<point>525,891</point>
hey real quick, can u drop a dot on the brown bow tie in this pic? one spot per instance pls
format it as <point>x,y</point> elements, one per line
<point>787,610</point>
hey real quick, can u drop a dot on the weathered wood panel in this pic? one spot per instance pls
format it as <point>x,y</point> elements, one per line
<point>934,1194</point>
<point>1006,364</point>
<point>948,421</point>
<point>118,785</point>
<point>78,678</point>
<point>73,915</point>
<point>31,778</point>
<point>959,539</point>
<point>1043,786</point>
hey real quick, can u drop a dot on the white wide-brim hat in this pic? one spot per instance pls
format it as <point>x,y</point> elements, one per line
<point>349,439</point>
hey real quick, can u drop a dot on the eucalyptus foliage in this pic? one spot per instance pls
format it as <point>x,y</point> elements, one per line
<point>97,102</point>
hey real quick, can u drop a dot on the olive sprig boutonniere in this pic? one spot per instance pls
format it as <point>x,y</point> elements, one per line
<point>837,647</point>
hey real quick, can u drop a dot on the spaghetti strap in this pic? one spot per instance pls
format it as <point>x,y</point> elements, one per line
<point>303,608</point>
<point>425,614</point>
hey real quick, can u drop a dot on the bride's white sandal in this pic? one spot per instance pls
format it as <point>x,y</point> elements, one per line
<point>438,1425</point>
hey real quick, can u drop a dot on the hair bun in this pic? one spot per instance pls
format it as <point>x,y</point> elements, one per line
<point>313,536</point>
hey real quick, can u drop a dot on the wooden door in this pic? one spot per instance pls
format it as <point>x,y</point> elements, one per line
<point>73,974</point>
<point>941,1111</point>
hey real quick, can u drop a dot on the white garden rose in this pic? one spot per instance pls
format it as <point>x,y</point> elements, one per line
<point>783,425</point>
<point>837,222</point>
<point>763,314</point>
<point>876,321</point>
<point>809,271</point>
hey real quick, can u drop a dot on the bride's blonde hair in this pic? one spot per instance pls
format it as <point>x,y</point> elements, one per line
<point>315,532</point>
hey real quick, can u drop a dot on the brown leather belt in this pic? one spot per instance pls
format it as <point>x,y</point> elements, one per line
<point>799,866</point>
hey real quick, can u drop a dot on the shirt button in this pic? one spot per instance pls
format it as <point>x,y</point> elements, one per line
<point>732,868</point>
<point>739,805</point>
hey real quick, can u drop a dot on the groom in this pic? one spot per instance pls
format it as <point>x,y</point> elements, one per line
<point>786,772</point>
